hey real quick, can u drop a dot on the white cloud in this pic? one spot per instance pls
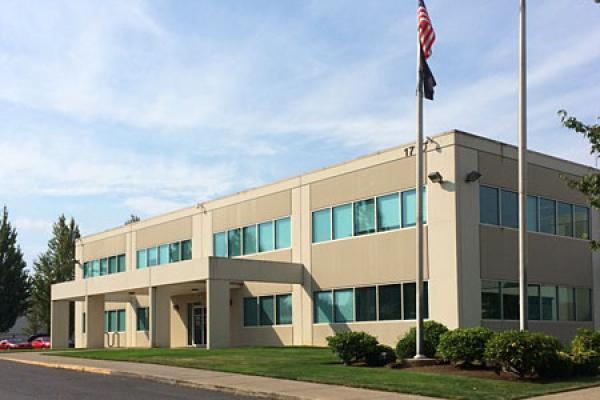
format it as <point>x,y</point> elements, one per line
<point>147,205</point>
<point>33,225</point>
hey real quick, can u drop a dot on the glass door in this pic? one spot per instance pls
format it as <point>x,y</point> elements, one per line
<point>199,326</point>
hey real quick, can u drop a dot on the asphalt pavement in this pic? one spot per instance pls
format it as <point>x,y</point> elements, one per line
<point>28,382</point>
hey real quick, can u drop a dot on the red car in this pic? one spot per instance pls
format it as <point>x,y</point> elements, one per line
<point>42,342</point>
<point>14,344</point>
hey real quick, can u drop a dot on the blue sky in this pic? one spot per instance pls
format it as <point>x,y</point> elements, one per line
<point>147,106</point>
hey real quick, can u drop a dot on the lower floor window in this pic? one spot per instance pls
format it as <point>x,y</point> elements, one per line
<point>142,318</point>
<point>114,321</point>
<point>268,310</point>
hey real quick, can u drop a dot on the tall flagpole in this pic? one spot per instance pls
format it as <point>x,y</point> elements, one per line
<point>523,167</point>
<point>419,211</point>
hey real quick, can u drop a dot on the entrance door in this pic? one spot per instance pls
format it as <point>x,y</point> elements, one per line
<point>199,326</point>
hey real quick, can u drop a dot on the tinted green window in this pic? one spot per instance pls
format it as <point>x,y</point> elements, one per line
<point>343,305</point>
<point>186,250</point>
<point>510,209</point>
<point>113,321</point>
<point>220,244</point>
<point>83,323</point>
<point>342,221</point>
<point>96,268</point>
<point>582,224</point>
<point>489,206</point>
<point>106,321</point>
<point>321,225</point>
<point>266,307</point>
<point>366,303</point>
<point>549,303</point>
<point>163,254</point>
<point>584,304</point>
<point>86,267</point>
<point>533,302</point>
<point>565,219</point>
<point>283,233</point>
<point>250,239</point>
<point>510,300</point>
<point>234,242</point>
<point>490,300</point>
<point>425,299</point>
<point>284,309</point>
<point>142,261</point>
<point>120,320</point>
<point>104,266</point>
<point>265,236</point>
<point>547,216</point>
<point>388,212</point>
<point>112,265</point>
<point>121,266</point>
<point>532,214</point>
<point>142,319</point>
<point>409,207</point>
<point>174,252</point>
<point>152,256</point>
<point>566,304</point>
<point>364,217</point>
<point>323,307</point>
<point>390,303</point>
<point>250,311</point>
<point>409,292</point>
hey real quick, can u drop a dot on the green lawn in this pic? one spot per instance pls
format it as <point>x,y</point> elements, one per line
<point>319,365</point>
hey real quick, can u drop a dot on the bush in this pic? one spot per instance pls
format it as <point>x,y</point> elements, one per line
<point>560,366</point>
<point>432,331</point>
<point>585,341</point>
<point>586,363</point>
<point>463,347</point>
<point>382,355</point>
<point>352,346</point>
<point>526,354</point>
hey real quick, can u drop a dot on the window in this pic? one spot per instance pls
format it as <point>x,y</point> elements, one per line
<point>533,302</point>
<point>409,291</point>
<point>186,250</point>
<point>220,243</point>
<point>510,209</point>
<point>388,212</point>
<point>266,307</point>
<point>83,322</point>
<point>265,236</point>
<point>113,321</point>
<point>491,302</point>
<point>342,221</point>
<point>86,269</point>
<point>106,321</point>
<point>174,252</point>
<point>112,265</point>
<point>120,320</point>
<point>163,254</point>
<point>121,266</point>
<point>323,307</point>
<point>532,214</point>
<point>321,228</point>
<point>283,233</point>
<point>566,304</point>
<point>582,225</point>
<point>489,206</point>
<point>96,268</point>
<point>565,219</point>
<point>549,303</point>
<point>409,208</point>
<point>142,318</point>
<point>366,303</point>
<point>364,217</point>
<point>390,303</point>
<point>152,256</point>
<point>343,305</point>
<point>510,300</point>
<point>547,216</point>
<point>104,266</point>
<point>234,242</point>
<point>284,309</point>
<point>250,239</point>
<point>250,311</point>
<point>584,304</point>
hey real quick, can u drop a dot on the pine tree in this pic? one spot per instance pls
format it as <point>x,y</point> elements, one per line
<point>14,280</point>
<point>56,265</point>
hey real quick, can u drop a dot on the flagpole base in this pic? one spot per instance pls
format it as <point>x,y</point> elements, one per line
<point>422,361</point>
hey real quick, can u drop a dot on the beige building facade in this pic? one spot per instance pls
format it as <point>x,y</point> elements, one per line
<point>292,262</point>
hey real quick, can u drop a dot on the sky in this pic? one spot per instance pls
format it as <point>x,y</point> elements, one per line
<point>142,107</point>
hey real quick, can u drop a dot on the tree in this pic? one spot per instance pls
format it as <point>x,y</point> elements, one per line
<point>14,280</point>
<point>56,265</point>
<point>588,185</point>
<point>134,218</point>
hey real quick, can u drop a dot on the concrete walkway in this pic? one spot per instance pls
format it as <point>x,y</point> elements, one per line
<point>232,383</point>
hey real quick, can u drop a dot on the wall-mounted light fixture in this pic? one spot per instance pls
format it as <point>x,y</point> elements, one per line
<point>473,176</point>
<point>436,177</point>
<point>176,307</point>
<point>194,289</point>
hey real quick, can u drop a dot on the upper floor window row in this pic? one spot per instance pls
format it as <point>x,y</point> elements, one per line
<point>164,254</point>
<point>376,214</point>
<point>104,266</point>
<point>258,238</point>
<point>501,207</point>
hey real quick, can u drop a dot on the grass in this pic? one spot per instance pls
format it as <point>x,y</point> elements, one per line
<point>320,365</point>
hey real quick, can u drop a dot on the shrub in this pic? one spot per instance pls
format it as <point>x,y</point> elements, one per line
<point>586,363</point>
<point>464,347</point>
<point>382,355</point>
<point>432,331</point>
<point>526,354</point>
<point>352,346</point>
<point>586,340</point>
<point>560,366</point>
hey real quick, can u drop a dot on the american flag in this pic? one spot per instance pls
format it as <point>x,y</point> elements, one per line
<point>426,33</point>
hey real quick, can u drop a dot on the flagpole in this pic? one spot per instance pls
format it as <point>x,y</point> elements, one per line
<point>523,167</point>
<point>419,205</point>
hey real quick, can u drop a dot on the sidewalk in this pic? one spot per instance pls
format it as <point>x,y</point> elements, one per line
<point>203,379</point>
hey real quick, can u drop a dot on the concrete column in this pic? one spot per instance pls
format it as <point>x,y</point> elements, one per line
<point>160,317</point>
<point>59,324</point>
<point>218,308</point>
<point>152,316</point>
<point>94,330</point>
<point>79,335</point>
<point>305,232</point>
<point>131,324</point>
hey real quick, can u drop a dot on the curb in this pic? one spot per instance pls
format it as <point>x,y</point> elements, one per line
<point>70,367</point>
